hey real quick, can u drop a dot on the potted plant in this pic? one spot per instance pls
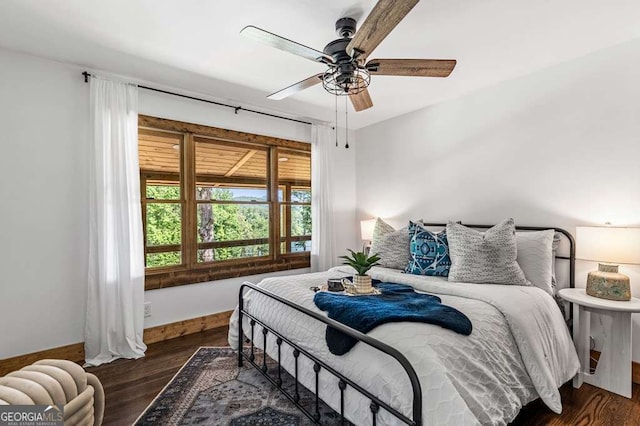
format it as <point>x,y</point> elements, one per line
<point>361,262</point>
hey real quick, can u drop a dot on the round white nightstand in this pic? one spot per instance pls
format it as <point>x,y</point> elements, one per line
<point>613,372</point>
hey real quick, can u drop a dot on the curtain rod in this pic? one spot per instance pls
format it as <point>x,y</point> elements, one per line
<point>234,107</point>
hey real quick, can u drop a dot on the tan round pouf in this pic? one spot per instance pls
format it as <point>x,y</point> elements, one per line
<point>56,382</point>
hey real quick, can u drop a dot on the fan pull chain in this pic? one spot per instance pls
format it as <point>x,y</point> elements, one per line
<point>336,97</point>
<point>346,122</point>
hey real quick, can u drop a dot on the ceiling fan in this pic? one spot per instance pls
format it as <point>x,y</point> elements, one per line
<point>348,71</point>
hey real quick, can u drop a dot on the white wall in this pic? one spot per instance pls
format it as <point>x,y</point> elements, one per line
<point>44,195</point>
<point>559,147</point>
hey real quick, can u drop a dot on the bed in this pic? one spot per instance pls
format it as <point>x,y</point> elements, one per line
<point>415,373</point>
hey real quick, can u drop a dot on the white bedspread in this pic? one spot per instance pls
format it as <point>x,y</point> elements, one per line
<point>519,349</point>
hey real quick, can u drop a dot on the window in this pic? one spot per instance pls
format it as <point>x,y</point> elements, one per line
<point>161,194</point>
<point>294,172</point>
<point>219,204</point>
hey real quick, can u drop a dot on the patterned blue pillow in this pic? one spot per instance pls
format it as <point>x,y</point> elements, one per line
<point>429,252</point>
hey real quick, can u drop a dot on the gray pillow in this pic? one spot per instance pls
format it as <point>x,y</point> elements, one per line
<point>392,246</point>
<point>484,257</point>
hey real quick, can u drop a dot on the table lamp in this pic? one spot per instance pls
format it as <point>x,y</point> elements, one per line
<point>609,246</point>
<point>366,232</point>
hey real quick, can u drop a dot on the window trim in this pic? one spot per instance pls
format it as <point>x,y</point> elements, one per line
<point>190,271</point>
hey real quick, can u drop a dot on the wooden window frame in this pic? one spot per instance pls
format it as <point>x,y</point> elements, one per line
<point>288,238</point>
<point>191,271</point>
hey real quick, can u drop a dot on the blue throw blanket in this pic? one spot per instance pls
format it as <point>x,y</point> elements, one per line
<point>397,303</point>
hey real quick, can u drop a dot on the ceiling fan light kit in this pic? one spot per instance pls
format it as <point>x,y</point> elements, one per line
<point>340,83</point>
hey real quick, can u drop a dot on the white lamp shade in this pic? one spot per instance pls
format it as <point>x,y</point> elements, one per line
<point>608,244</point>
<point>366,229</point>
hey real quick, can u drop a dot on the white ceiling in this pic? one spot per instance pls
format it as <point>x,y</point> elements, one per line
<point>195,44</point>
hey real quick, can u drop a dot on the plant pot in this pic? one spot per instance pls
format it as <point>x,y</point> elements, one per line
<point>362,283</point>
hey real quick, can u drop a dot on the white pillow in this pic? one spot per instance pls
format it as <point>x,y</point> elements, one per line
<point>535,257</point>
<point>557,237</point>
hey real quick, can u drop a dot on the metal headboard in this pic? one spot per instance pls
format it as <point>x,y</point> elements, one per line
<point>572,243</point>
<point>571,258</point>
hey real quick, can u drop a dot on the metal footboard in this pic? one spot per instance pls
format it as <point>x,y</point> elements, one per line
<point>343,381</point>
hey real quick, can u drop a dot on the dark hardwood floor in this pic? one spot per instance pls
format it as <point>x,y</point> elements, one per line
<point>130,385</point>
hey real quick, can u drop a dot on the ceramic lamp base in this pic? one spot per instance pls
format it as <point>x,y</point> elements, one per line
<point>608,283</point>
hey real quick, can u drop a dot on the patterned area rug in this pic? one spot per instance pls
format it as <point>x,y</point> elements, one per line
<point>210,389</point>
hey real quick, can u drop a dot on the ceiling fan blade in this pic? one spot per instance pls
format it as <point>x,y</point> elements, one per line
<point>412,67</point>
<point>361,101</point>
<point>384,17</point>
<point>285,44</point>
<point>296,87</point>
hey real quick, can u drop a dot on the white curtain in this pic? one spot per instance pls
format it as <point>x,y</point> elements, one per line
<point>323,251</point>
<point>115,300</point>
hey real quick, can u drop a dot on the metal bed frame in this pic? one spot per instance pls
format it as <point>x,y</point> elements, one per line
<point>343,381</point>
